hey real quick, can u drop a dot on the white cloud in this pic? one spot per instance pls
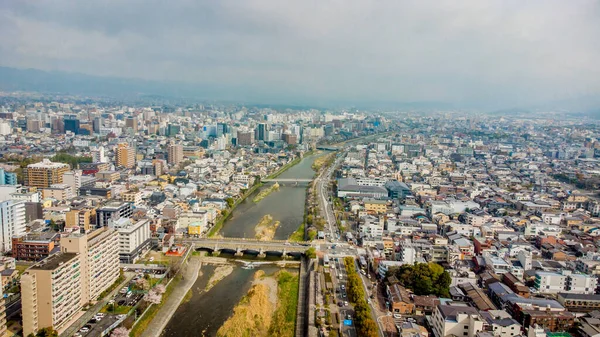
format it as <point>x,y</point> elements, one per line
<point>483,52</point>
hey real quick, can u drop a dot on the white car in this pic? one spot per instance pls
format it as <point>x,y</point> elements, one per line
<point>397,316</point>
<point>84,330</point>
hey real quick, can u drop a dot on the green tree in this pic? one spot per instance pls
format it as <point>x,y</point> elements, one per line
<point>311,253</point>
<point>230,202</point>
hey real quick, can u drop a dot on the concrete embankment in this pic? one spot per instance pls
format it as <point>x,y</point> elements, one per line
<point>165,313</point>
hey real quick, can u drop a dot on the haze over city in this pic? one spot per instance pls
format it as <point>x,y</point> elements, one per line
<point>466,54</point>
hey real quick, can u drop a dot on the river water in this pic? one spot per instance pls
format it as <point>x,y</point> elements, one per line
<point>205,312</point>
<point>285,205</point>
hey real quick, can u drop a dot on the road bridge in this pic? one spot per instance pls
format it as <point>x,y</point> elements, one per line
<point>241,246</point>
<point>286,180</point>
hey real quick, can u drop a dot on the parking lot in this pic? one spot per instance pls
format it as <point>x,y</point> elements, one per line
<point>117,308</point>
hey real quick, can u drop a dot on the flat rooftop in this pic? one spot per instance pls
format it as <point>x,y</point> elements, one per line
<point>54,261</point>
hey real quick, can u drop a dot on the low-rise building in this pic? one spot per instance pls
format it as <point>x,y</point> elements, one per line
<point>33,246</point>
<point>456,319</point>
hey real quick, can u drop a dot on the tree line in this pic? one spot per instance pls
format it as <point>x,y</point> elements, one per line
<point>363,321</point>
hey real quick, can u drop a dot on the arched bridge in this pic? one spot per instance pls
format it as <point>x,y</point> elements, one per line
<point>240,245</point>
<point>286,180</point>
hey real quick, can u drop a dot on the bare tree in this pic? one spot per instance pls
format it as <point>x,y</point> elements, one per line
<point>120,332</point>
<point>153,297</point>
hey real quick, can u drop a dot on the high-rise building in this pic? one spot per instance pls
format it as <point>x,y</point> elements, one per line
<point>98,155</point>
<point>7,178</point>
<point>244,138</point>
<point>125,156</point>
<point>44,173</point>
<point>5,128</point>
<point>96,124</point>
<point>51,292</point>
<point>73,125</point>
<point>131,122</point>
<point>262,131</point>
<point>73,179</point>
<point>12,222</point>
<point>134,239</point>
<point>99,259</point>
<point>175,154</point>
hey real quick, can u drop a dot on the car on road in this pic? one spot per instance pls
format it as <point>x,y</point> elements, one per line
<point>348,316</point>
<point>345,303</point>
<point>121,316</point>
<point>85,329</point>
<point>397,316</point>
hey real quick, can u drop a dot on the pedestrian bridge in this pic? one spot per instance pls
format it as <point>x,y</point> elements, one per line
<point>286,180</point>
<point>251,246</point>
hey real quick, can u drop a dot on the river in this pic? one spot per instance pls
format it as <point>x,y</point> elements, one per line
<point>204,313</point>
<point>285,205</point>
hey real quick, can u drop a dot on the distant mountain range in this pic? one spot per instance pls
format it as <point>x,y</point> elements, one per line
<point>59,82</point>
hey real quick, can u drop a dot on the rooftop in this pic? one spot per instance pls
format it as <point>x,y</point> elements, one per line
<point>54,261</point>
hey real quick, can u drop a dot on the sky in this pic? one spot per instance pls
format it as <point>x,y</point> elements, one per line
<point>473,53</point>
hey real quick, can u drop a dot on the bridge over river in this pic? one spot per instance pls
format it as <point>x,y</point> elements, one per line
<point>286,180</point>
<point>241,246</point>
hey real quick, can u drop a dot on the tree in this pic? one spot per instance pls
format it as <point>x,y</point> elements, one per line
<point>230,202</point>
<point>311,253</point>
<point>45,332</point>
<point>120,332</point>
<point>153,297</point>
<point>160,289</point>
<point>142,283</point>
<point>423,278</point>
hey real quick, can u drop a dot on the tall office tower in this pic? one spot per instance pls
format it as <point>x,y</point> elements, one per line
<point>244,138</point>
<point>125,156</point>
<point>131,122</point>
<point>96,124</point>
<point>12,222</point>
<point>222,129</point>
<point>72,124</point>
<point>44,173</point>
<point>262,131</point>
<point>175,154</point>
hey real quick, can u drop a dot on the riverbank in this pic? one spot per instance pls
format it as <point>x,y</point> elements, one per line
<point>220,273</point>
<point>265,229</point>
<point>157,316</point>
<point>252,316</point>
<point>264,193</point>
<point>268,309</point>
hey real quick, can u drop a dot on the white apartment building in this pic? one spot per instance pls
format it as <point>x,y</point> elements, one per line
<point>565,282</point>
<point>73,179</point>
<point>99,259</point>
<point>51,292</point>
<point>187,219</point>
<point>134,239</point>
<point>12,222</point>
<point>534,229</point>
<point>457,320</point>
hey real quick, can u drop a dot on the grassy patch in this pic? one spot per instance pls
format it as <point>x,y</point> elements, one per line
<point>284,318</point>
<point>116,309</point>
<point>22,267</point>
<point>298,235</point>
<point>142,324</point>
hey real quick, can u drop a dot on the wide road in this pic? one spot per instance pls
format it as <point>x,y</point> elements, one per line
<point>322,182</point>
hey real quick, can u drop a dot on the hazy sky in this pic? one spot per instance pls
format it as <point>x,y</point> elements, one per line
<point>485,52</point>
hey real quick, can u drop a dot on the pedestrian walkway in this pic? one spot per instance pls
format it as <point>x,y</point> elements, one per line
<point>164,314</point>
